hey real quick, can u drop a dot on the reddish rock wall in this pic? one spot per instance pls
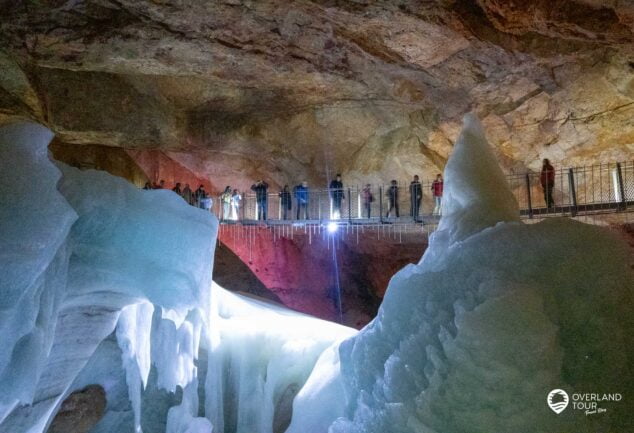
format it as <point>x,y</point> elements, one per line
<point>300,269</point>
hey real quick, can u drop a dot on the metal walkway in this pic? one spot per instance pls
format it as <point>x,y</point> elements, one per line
<point>589,190</point>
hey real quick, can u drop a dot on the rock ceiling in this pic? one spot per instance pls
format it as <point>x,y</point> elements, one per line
<point>237,90</point>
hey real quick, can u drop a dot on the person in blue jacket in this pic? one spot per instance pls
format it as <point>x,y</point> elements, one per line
<point>301,196</point>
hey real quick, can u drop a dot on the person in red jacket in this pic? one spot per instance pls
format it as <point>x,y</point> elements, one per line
<point>436,188</point>
<point>547,179</point>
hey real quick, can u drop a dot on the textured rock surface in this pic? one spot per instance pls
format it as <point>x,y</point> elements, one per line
<point>238,89</point>
<point>300,269</point>
<point>80,411</point>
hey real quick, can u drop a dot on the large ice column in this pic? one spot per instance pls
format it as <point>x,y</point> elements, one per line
<point>496,315</point>
<point>34,224</point>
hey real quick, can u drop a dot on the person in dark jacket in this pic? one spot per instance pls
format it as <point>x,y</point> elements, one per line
<point>261,188</point>
<point>336,195</point>
<point>547,179</point>
<point>368,198</point>
<point>148,185</point>
<point>187,194</point>
<point>415,196</point>
<point>199,194</point>
<point>392,195</point>
<point>177,188</point>
<point>436,190</point>
<point>301,196</point>
<point>286,201</point>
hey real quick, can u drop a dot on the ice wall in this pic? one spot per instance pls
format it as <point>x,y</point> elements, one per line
<point>84,252</point>
<point>35,222</point>
<point>495,315</point>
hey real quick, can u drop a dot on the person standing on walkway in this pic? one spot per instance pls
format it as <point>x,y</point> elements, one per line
<point>301,196</point>
<point>206,202</point>
<point>199,194</point>
<point>436,190</point>
<point>336,195</point>
<point>547,179</point>
<point>261,189</point>
<point>236,198</point>
<point>286,201</point>
<point>415,196</point>
<point>392,195</point>
<point>368,198</point>
<point>187,194</point>
<point>177,188</point>
<point>148,186</point>
<point>225,199</point>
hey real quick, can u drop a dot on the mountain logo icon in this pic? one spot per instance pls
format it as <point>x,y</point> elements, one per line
<point>557,400</point>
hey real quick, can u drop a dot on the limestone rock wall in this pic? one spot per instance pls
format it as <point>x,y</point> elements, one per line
<point>236,90</point>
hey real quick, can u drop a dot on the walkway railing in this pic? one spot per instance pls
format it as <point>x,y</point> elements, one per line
<point>583,190</point>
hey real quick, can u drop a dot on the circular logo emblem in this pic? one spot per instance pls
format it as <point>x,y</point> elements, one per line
<point>557,400</point>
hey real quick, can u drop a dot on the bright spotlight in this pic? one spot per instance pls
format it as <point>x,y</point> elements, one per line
<point>332,227</point>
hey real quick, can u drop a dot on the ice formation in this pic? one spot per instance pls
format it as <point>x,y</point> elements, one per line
<point>496,314</point>
<point>103,283</point>
<point>106,284</point>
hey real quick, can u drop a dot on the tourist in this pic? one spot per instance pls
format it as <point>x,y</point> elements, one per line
<point>368,198</point>
<point>437,188</point>
<point>301,196</point>
<point>199,194</point>
<point>392,195</point>
<point>225,199</point>
<point>336,195</point>
<point>177,188</point>
<point>415,195</point>
<point>148,185</point>
<point>187,194</point>
<point>236,198</point>
<point>547,179</point>
<point>206,202</point>
<point>286,201</point>
<point>261,189</point>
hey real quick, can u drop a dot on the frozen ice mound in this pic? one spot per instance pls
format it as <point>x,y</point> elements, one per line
<point>495,315</point>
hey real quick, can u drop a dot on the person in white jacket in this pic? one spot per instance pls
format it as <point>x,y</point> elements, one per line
<point>236,198</point>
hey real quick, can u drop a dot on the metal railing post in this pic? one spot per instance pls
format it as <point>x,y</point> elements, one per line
<point>349,206</point>
<point>528,196</point>
<point>619,179</point>
<point>381,204</point>
<point>573,192</point>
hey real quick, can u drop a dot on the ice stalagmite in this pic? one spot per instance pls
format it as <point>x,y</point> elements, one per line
<point>497,314</point>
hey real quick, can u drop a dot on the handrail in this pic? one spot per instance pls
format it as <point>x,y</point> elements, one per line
<point>585,189</point>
